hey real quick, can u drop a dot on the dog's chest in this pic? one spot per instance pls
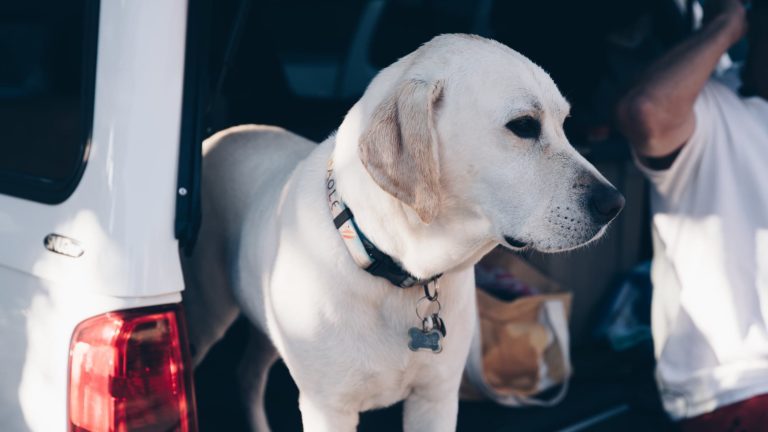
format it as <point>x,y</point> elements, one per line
<point>389,371</point>
<point>380,368</point>
<point>343,334</point>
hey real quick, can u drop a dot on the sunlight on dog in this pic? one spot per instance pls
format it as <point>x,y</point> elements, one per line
<point>452,150</point>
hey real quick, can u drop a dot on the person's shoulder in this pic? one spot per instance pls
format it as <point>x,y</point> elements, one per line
<point>730,77</point>
<point>719,99</point>
<point>719,90</point>
<point>723,87</point>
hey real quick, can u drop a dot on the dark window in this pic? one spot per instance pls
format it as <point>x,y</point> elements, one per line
<point>47,67</point>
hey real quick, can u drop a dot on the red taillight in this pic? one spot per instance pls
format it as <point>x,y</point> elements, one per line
<point>130,371</point>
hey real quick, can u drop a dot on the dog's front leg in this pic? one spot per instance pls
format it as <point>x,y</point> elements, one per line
<point>431,410</point>
<point>317,416</point>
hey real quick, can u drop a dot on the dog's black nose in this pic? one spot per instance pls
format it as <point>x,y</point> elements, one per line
<point>605,202</point>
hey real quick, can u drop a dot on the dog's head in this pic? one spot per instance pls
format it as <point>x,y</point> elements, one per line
<point>467,127</point>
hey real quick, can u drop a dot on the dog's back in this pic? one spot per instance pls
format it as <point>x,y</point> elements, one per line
<point>240,164</point>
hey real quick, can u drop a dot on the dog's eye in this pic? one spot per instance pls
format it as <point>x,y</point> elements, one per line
<point>525,127</point>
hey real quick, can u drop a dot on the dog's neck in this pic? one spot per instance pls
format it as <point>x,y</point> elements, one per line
<point>422,250</point>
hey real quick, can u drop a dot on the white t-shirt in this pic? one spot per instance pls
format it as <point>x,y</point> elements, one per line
<point>710,264</point>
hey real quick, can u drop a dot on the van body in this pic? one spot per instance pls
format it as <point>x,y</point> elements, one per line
<point>90,280</point>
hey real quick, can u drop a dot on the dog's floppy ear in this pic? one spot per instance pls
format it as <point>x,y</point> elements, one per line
<point>399,149</point>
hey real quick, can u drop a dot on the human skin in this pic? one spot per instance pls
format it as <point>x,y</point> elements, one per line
<point>656,115</point>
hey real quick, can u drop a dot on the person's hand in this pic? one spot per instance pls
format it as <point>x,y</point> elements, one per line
<point>730,14</point>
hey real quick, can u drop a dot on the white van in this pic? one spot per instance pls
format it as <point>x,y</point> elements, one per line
<point>92,193</point>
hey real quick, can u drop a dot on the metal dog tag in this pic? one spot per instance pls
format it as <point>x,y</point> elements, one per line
<point>425,340</point>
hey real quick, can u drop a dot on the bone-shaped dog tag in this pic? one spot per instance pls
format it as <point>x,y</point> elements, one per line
<point>424,340</point>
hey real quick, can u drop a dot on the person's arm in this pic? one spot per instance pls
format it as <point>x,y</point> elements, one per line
<point>656,115</point>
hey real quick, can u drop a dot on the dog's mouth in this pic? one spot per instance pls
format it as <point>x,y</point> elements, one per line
<point>515,243</point>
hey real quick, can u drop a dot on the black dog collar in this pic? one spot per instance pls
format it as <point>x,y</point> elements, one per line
<point>363,251</point>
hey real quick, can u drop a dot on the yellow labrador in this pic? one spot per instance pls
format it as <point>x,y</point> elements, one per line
<point>452,150</point>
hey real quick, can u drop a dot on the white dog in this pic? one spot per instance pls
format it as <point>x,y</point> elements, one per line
<point>452,150</point>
